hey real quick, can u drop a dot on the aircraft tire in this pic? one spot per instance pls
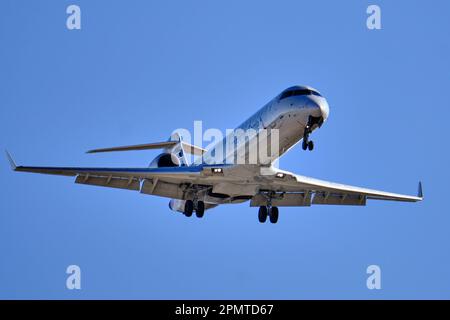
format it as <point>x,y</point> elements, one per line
<point>304,145</point>
<point>188,208</point>
<point>200,211</point>
<point>262,214</point>
<point>273,214</point>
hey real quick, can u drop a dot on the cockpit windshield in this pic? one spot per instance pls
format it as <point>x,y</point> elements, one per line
<point>298,92</point>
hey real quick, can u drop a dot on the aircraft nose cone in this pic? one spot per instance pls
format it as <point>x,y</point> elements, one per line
<point>321,105</point>
<point>324,109</point>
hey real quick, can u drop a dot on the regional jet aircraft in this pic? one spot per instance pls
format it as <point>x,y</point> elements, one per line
<point>196,186</point>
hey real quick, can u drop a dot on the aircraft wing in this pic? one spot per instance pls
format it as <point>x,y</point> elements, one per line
<point>111,173</point>
<point>171,182</point>
<point>300,190</point>
<point>123,178</point>
<point>254,182</point>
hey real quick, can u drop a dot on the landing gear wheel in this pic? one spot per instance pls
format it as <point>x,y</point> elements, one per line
<point>273,214</point>
<point>304,144</point>
<point>310,146</point>
<point>200,211</point>
<point>188,208</point>
<point>262,214</point>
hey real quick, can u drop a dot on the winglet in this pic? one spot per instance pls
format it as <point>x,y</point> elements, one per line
<point>11,161</point>
<point>420,192</point>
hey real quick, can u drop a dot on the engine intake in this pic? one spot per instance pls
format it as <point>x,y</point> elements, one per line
<point>165,160</point>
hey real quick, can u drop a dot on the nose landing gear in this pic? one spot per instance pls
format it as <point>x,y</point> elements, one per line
<point>306,143</point>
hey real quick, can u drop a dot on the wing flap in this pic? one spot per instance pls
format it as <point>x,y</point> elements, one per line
<point>162,188</point>
<point>283,200</point>
<point>339,199</point>
<point>112,182</point>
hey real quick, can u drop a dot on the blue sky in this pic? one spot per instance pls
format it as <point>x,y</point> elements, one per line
<point>138,70</point>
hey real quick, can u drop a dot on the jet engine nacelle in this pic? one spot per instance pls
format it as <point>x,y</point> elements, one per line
<point>165,160</point>
<point>177,205</point>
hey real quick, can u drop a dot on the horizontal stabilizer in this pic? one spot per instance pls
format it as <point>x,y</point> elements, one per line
<point>189,148</point>
<point>146,146</point>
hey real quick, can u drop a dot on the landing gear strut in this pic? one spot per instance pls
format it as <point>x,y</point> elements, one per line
<point>309,144</point>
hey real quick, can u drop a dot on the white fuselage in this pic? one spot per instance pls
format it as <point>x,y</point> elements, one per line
<point>288,115</point>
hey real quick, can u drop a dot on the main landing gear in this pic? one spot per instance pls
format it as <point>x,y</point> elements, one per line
<point>189,208</point>
<point>268,211</point>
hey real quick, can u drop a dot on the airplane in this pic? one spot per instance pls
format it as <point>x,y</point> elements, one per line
<point>199,186</point>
